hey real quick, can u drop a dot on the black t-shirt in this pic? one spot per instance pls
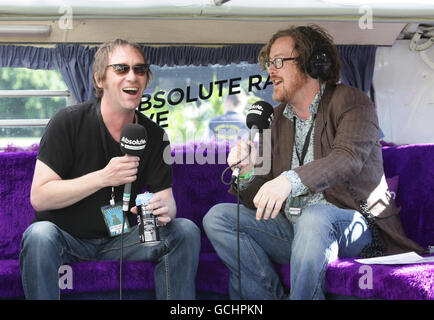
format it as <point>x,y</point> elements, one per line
<point>73,145</point>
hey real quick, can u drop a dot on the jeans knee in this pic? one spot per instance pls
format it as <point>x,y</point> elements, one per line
<point>39,234</point>
<point>186,230</point>
<point>313,217</point>
<point>39,240</point>
<point>208,219</point>
<point>214,218</point>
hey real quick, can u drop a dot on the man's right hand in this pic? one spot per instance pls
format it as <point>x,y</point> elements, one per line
<point>119,171</point>
<point>241,151</point>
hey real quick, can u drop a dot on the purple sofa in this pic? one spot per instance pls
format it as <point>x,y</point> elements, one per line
<point>197,188</point>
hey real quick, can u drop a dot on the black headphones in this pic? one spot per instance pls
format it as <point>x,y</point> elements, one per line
<point>317,65</point>
<point>318,62</point>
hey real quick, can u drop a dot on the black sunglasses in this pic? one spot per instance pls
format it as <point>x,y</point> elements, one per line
<point>139,69</point>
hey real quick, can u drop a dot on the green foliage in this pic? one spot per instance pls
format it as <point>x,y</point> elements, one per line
<point>28,79</point>
<point>187,121</point>
<point>191,119</point>
<point>30,107</point>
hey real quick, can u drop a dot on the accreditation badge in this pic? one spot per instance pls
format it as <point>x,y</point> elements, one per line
<point>113,219</point>
<point>295,206</point>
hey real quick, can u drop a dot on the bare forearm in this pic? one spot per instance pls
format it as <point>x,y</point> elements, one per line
<point>58,194</point>
<point>50,191</point>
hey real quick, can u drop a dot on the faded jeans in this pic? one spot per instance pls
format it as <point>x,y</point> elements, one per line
<point>45,247</point>
<point>320,235</point>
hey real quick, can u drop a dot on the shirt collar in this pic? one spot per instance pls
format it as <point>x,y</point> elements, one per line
<point>289,111</point>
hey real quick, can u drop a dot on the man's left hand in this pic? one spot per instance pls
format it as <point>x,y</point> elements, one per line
<point>271,196</point>
<point>159,209</point>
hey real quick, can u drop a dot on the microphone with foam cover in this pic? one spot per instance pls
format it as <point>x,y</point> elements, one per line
<point>259,117</point>
<point>133,142</point>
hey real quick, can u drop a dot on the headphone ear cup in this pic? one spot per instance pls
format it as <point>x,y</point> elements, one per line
<point>318,65</point>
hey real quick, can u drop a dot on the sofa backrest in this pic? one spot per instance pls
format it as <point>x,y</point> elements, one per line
<point>16,213</point>
<point>197,187</point>
<point>414,167</point>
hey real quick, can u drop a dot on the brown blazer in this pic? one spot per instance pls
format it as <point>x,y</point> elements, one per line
<point>354,156</point>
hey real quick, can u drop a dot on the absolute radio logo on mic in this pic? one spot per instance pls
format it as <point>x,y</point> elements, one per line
<point>130,144</point>
<point>257,107</point>
<point>133,139</point>
<point>260,114</point>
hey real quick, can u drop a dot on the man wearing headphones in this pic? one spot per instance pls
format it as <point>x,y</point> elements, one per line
<point>326,188</point>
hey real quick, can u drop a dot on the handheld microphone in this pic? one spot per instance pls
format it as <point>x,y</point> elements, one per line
<point>259,117</point>
<point>133,142</point>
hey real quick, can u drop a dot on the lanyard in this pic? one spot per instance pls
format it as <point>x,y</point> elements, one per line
<point>105,144</point>
<point>306,142</point>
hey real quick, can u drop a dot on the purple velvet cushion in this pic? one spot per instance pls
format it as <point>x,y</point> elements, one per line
<point>10,279</point>
<point>16,213</point>
<point>395,282</point>
<point>89,276</point>
<point>345,277</point>
<point>102,276</point>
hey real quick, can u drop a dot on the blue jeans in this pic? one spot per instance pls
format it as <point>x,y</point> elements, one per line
<point>45,247</point>
<point>320,235</point>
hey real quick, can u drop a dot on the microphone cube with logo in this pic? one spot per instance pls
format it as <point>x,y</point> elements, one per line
<point>133,139</point>
<point>260,115</point>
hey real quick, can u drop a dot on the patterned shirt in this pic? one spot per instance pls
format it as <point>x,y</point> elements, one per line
<point>300,192</point>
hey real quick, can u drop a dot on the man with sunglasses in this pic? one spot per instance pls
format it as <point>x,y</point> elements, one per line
<point>326,182</point>
<point>80,175</point>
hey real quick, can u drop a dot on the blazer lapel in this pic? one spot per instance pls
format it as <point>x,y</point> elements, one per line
<point>285,140</point>
<point>320,128</point>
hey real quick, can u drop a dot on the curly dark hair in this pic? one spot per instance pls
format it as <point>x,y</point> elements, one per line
<point>101,60</point>
<point>307,39</point>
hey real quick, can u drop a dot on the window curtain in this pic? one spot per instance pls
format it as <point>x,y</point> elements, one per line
<point>181,56</point>
<point>357,70</point>
<point>358,64</point>
<point>27,57</point>
<point>75,62</point>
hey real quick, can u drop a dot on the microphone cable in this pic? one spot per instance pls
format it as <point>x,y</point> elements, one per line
<point>237,179</point>
<point>259,117</point>
<point>124,213</point>
<point>133,131</point>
